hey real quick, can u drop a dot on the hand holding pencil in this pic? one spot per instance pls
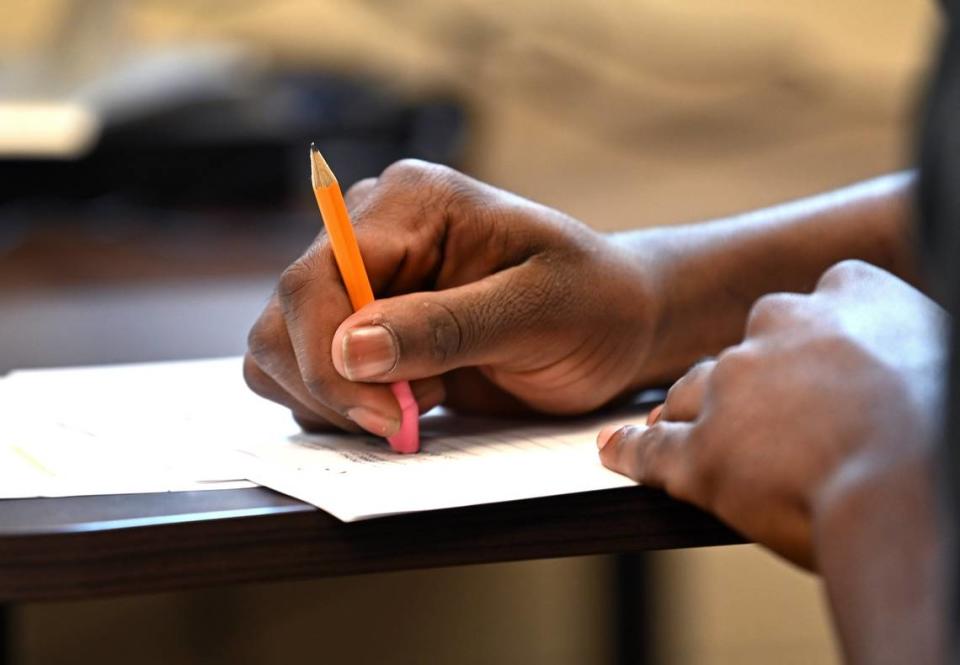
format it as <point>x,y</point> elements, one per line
<point>486,303</point>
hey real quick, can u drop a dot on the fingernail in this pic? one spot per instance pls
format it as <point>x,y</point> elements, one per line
<point>373,421</point>
<point>654,414</point>
<point>368,352</point>
<point>603,438</point>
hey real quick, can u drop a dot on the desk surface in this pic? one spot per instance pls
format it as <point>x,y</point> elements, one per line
<point>92,546</point>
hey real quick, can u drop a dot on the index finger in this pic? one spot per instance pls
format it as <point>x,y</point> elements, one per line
<point>314,303</point>
<point>653,456</point>
<point>314,300</point>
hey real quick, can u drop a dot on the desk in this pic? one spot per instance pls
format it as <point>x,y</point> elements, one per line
<point>101,545</point>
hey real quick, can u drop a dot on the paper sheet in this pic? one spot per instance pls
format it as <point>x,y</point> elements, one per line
<point>195,425</point>
<point>127,428</point>
<point>463,462</point>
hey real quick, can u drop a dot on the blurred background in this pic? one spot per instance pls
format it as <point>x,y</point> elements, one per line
<point>153,183</point>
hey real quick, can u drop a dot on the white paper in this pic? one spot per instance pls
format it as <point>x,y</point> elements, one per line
<point>195,425</point>
<point>463,462</point>
<point>127,428</point>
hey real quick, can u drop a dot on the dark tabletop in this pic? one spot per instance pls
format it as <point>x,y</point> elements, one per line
<point>100,545</point>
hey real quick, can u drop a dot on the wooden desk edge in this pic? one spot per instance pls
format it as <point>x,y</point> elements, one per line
<point>284,539</point>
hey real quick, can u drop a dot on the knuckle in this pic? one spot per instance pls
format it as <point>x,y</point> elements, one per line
<point>689,381</point>
<point>769,311</point>
<point>293,281</point>
<point>255,377</point>
<point>416,173</point>
<point>409,171</point>
<point>732,366</point>
<point>676,399</point>
<point>360,188</point>
<point>843,272</point>
<point>447,332</point>
<point>262,339</point>
<point>317,385</point>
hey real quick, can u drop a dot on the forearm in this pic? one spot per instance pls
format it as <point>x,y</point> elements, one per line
<point>707,276</point>
<point>878,550</point>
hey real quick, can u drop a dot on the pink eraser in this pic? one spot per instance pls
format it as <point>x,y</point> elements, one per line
<point>407,440</point>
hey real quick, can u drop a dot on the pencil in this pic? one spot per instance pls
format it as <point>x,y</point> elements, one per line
<point>346,251</point>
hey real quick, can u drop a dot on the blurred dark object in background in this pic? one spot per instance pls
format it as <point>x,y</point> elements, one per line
<point>237,150</point>
<point>192,163</point>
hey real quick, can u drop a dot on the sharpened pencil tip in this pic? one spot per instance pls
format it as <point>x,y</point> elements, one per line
<point>320,173</point>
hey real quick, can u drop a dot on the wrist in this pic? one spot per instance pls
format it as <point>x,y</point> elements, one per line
<point>705,277</point>
<point>877,548</point>
<point>686,286</point>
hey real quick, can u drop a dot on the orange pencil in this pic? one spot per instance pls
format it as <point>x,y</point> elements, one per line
<point>354,275</point>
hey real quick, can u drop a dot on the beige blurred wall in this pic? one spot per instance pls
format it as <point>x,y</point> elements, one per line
<point>669,109</point>
<point>550,612</point>
<point>624,114</point>
<point>738,606</point>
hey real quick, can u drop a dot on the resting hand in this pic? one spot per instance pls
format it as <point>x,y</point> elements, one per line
<point>828,394</point>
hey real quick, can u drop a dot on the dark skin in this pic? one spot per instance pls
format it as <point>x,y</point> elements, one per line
<point>818,408</point>
<point>825,417</point>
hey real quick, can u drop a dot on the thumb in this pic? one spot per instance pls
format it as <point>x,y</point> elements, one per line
<point>429,333</point>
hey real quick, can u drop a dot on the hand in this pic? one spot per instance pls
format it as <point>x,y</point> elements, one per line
<point>828,395</point>
<point>488,302</point>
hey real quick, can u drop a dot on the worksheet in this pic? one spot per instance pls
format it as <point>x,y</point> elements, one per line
<point>192,425</point>
<point>462,462</point>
